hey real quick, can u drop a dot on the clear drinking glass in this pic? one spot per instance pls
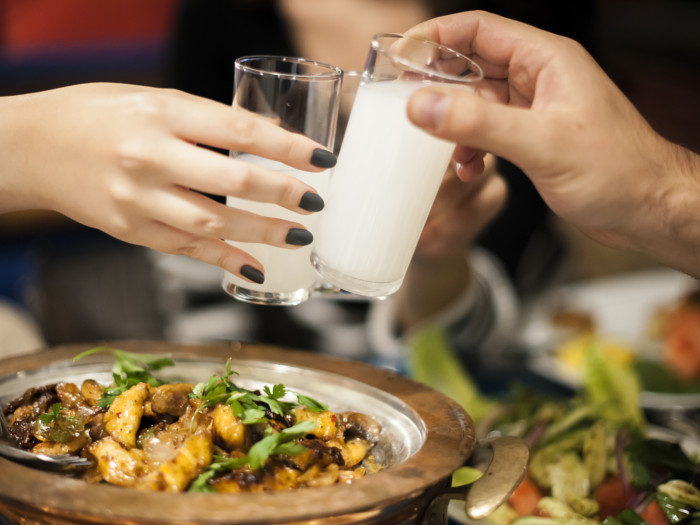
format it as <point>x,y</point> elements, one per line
<point>301,96</point>
<point>388,170</point>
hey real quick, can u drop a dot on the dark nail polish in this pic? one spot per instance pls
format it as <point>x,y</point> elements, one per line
<point>311,202</point>
<point>299,237</point>
<point>322,158</point>
<point>253,274</point>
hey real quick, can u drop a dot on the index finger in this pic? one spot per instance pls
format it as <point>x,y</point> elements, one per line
<point>214,124</point>
<point>490,39</point>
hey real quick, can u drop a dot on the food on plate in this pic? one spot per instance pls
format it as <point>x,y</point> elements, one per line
<point>594,459</point>
<point>666,358</point>
<point>208,437</point>
<point>573,351</point>
<point>681,334</point>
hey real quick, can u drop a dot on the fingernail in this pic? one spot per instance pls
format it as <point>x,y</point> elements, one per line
<point>299,237</point>
<point>311,201</point>
<point>253,274</point>
<point>429,109</point>
<point>322,158</point>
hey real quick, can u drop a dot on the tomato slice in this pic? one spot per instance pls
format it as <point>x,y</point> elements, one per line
<point>524,499</point>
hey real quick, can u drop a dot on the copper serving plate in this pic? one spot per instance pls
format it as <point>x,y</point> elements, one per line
<point>425,438</point>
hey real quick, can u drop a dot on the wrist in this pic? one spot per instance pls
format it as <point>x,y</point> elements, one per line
<point>15,176</point>
<point>670,211</point>
<point>429,286</point>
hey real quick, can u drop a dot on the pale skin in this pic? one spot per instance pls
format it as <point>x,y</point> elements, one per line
<point>550,109</point>
<point>340,32</point>
<point>124,159</point>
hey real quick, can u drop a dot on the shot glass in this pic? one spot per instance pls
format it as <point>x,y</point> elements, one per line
<point>301,96</point>
<point>388,170</point>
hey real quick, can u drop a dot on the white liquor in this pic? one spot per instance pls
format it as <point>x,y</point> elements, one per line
<point>380,193</point>
<point>288,273</point>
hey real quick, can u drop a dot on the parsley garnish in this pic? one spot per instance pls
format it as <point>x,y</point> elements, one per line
<point>279,443</point>
<point>246,405</point>
<point>48,417</point>
<point>310,403</point>
<point>129,369</point>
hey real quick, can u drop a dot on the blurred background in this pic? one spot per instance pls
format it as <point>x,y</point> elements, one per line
<point>76,284</point>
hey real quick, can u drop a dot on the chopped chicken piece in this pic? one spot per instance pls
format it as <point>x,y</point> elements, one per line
<point>123,418</point>
<point>326,422</point>
<point>354,451</point>
<point>228,426</point>
<point>117,465</point>
<point>188,462</point>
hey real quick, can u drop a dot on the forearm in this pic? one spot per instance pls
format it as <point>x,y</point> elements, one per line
<point>678,241</point>
<point>666,221</point>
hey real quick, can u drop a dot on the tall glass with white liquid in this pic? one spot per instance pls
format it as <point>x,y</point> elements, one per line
<point>388,170</point>
<point>301,96</point>
<point>289,275</point>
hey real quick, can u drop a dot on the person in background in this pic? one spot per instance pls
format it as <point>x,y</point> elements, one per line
<point>550,109</point>
<point>467,281</point>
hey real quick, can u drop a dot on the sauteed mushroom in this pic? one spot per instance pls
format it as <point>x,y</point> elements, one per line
<point>172,399</point>
<point>355,424</point>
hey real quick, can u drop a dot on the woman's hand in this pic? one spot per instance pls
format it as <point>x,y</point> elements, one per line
<point>546,106</point>
<point>125,159</point>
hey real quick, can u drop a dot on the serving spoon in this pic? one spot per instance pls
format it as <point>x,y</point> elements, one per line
<point>62,462</point>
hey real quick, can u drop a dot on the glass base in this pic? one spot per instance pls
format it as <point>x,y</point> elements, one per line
<point>268,298</point>
<point>352,284</point>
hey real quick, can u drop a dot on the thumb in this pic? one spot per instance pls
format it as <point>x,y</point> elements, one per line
<point>465,118</point>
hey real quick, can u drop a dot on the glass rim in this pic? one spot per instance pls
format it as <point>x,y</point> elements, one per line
<point>475,73</point>
<point>331,71</point>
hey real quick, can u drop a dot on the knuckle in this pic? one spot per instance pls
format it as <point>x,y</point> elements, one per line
<point>242,182</point>
<point>269,235</point>
<point>465,116</point>
<point>123,191</point>
<point>288,190</point>
<point>146,105</point>
<point>225,259</point>
<point>212,225</point>
<point>120,227</point>
<point>190,248</point>
<point>243,129</point>
<point>222,255</point>
<point>149,103</point>
<point>133,156</point>
<point>296,148</point>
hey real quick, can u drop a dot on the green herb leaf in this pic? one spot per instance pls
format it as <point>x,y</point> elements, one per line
<point>275,444</point>
<point>200,484</point>
<point>51,415</point>
<point>310,403</point>
<point>246,405</point>
<point>128,370</point>
<point>218,466</point>
<point>217,390</point>
<point>280,443</point>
